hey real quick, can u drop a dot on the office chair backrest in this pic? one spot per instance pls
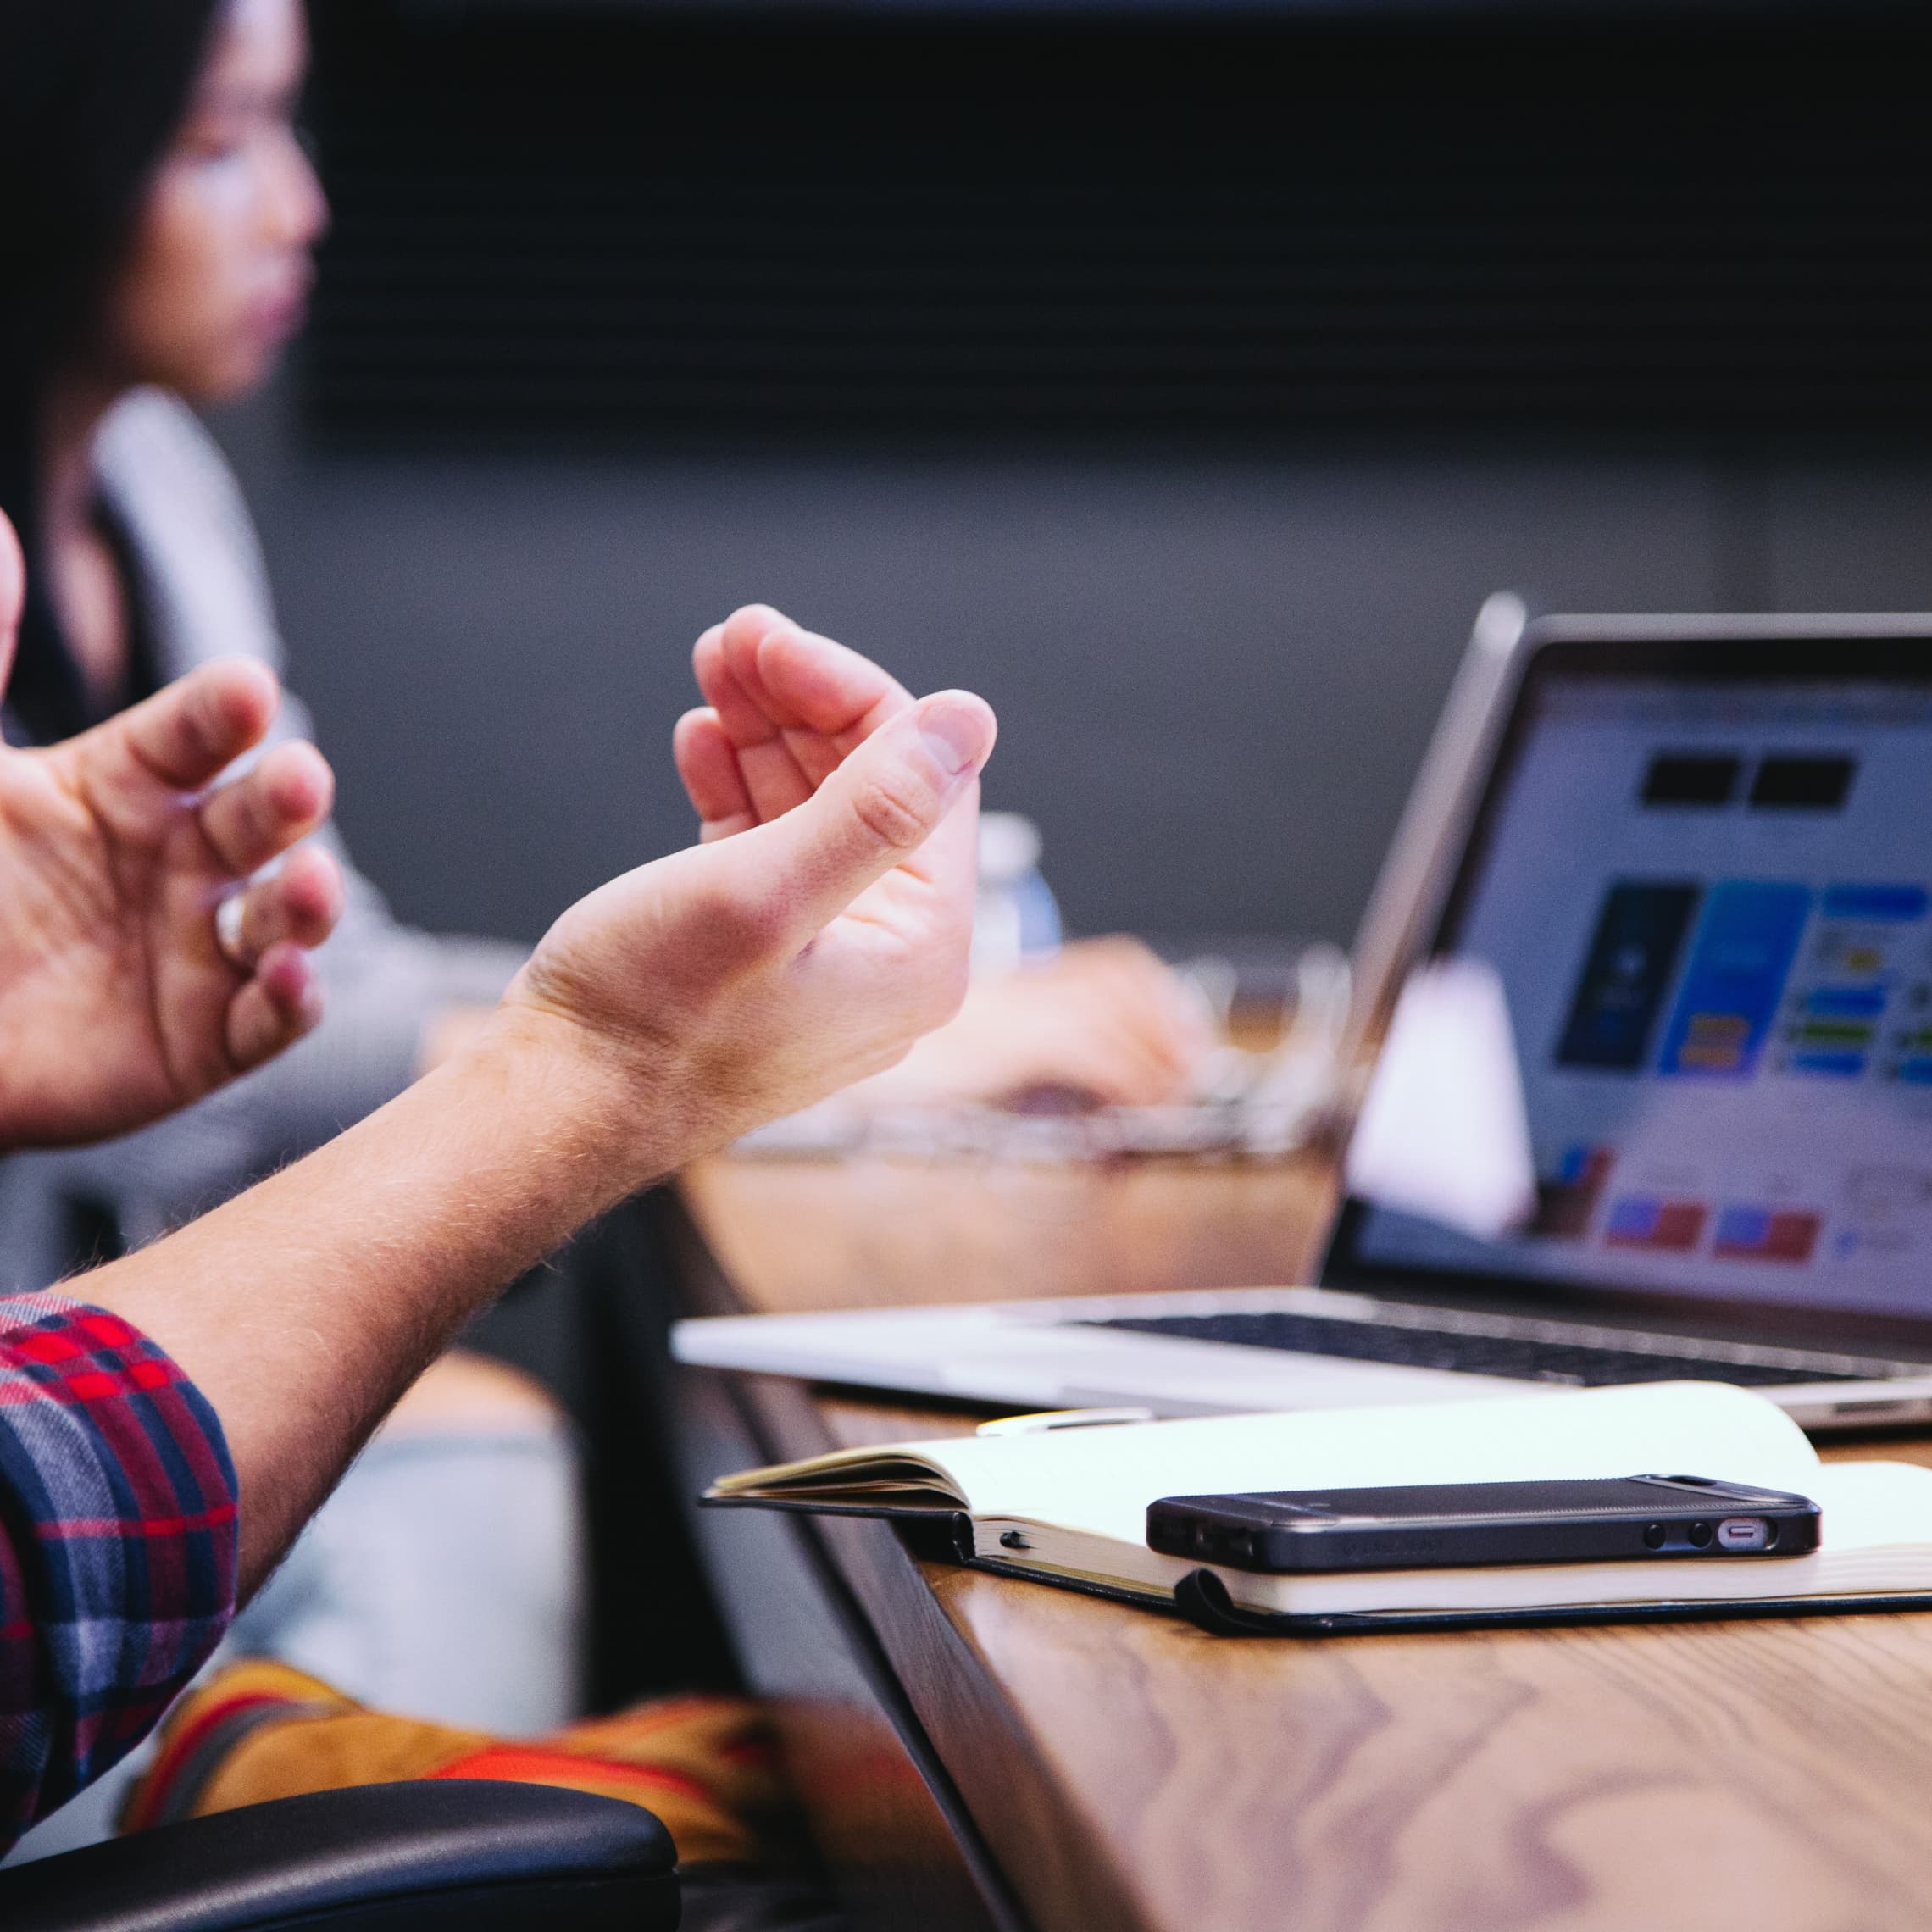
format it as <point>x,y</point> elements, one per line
<point>421,1857</point>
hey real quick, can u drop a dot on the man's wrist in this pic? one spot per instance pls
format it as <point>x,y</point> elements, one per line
<point>575,1110</point>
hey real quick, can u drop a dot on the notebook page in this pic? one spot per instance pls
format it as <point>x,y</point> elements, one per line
<point>1877,1541</point>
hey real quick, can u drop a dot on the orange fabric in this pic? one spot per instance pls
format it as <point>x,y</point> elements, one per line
<point>704,1766</point>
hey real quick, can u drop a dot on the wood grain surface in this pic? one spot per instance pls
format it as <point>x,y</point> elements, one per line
<point>1127,1770</point>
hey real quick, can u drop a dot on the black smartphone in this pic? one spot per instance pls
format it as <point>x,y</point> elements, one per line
<point>1441,1525</point>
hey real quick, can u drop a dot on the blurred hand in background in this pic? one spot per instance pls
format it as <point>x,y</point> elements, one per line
<point>1101,1023</point>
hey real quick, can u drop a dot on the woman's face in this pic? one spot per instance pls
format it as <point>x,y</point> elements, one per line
<point>218,277</point>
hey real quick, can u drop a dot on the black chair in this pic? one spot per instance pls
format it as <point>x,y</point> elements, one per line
<point>433,1855</point>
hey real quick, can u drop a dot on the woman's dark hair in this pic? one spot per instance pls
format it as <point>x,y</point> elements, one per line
<point>90,93</point>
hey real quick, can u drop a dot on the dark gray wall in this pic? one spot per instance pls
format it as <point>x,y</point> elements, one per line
<point>1214,678</point>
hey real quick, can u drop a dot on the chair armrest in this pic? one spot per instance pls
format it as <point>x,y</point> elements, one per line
<point>482,1856</point>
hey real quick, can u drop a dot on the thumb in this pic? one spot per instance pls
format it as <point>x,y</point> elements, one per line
<point>880,806</point>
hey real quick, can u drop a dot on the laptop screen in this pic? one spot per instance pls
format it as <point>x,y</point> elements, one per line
<point>1705,881</point>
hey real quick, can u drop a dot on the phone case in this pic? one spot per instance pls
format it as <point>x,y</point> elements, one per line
<point>1430,1526</point>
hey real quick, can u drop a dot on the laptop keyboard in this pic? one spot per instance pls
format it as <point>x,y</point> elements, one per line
<point>1525,1357</point>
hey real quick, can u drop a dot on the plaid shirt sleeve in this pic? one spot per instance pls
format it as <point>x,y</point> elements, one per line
<point>117,1545</point>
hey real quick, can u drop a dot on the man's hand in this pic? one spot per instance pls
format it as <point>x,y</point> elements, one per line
<point>118,1001</point>
<point>822,926</point>
<point>1104,1021</point>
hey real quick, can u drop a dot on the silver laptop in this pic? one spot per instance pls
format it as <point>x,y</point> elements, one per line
<point>1698,854</point>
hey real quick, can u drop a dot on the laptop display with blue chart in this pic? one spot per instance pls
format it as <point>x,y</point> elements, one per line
<point>1696,856</point>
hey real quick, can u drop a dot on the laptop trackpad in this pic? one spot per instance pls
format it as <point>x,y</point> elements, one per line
<point>1078,1367</point>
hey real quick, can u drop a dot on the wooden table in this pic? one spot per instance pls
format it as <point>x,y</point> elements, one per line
<point>982,1752</point>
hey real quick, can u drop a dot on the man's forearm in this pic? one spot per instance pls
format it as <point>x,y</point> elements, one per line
<point>305,1307</point>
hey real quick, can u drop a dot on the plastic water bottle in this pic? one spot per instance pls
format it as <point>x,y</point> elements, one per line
<point>1017,917</point>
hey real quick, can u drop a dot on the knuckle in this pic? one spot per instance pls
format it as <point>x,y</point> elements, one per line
<point>199,720</point>
<point>261,812</point>
<point>250,828</point>
<point>894,810</point>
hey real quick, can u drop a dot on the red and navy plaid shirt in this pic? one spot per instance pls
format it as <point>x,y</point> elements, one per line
<point>117,1545</point>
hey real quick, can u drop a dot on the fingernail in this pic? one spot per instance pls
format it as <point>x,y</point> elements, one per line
<point>956,730</point>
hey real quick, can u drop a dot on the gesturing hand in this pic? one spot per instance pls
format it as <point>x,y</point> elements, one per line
<point>1105,1018</point>
<point>820,927</point>
<point>118,1003</point>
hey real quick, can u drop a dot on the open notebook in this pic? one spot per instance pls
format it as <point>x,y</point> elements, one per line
<point>1069,1506</point>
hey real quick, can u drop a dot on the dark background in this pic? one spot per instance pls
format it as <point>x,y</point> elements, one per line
<point>1180,381</point>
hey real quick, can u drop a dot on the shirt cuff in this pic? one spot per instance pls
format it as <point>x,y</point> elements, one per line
<point>118,1544</point>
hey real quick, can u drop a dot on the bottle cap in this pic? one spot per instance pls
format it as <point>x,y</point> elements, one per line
<point>1009,847</point>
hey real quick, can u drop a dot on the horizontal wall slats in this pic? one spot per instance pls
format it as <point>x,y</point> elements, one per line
<point>631,227</point>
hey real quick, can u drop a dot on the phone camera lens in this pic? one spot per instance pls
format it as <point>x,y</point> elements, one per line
<point>1701,1536</point>
<point>1653,1535</point>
